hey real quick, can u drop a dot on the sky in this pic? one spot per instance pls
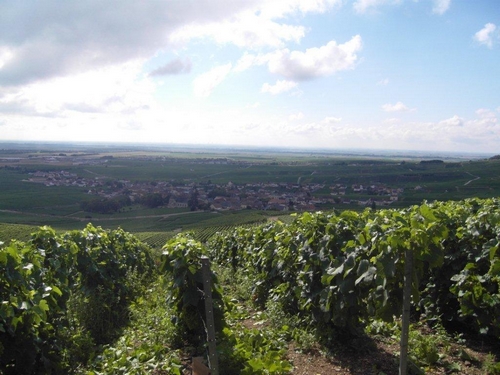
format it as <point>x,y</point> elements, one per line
<point>331,74</point>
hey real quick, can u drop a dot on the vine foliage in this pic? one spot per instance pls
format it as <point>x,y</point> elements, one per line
<point>54,287</point>
<point>337,271</point>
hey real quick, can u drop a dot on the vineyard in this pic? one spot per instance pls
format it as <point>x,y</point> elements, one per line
<point>155,239</point>
<point>205,234</point>
<point>15,231</point>
<point>93,301</point>
<point>158,239</point>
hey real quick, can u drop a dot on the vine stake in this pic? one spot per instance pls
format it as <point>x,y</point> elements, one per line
<point>405,329</point>
<point>207,286</point>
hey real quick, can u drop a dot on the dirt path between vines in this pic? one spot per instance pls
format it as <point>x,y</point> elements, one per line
<point>380,356</point>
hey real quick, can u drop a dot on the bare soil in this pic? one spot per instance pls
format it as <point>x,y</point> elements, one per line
<point>380,356</point>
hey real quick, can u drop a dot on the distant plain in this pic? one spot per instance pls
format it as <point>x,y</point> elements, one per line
<point>420,177</point>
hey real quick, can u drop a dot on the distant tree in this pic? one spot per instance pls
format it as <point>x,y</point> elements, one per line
<point>218,192</point>
<point>101,206</point>
<point>435,161</point>
<point>193,200</point>
<point>203,206</point>
<point>124,200</point>
<point>152,200</point>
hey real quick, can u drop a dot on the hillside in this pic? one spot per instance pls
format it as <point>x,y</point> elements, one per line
<point>322,293</point>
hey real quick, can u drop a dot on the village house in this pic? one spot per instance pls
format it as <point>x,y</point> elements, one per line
<point>173,203</point>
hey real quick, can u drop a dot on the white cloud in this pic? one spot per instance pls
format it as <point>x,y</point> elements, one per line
<point>256,26</point>
<point>121,90</point>
<point>452,134</point>
<point>246,30</point>
<point>331,120</point>
<point>248,60</point>
<point>485,113</point>
<point>205,83</point>
<point>131,125</point>
<point>398,107</point>
<point>315,62</point>
<point>383,82</point>
<point>392,120</point>
<point>485,35</point>
<point>452,122</point>
<point>296,116</point>
<point>58,39</point>
<point>5,55</point>
<point>306,129</point>
<point>318,131</point>
<point>176,66</point>
<point>280,8</point>
<point>441,6</point>
<point>253,105</point>
<point>363,6</point>
<point>279,87</point>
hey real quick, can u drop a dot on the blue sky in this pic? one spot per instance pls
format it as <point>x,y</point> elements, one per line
<point>377,74</point>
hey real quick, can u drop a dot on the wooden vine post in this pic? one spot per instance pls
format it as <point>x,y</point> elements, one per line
<point>209,311</point>
<point>405,329</point>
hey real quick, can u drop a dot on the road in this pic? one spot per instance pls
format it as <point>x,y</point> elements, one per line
<point>96,219</point>
<point>474,179</point>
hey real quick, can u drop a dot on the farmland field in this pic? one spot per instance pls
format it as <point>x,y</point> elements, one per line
<point>83,172</point>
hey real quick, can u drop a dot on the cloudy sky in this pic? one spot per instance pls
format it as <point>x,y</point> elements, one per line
<point>378,74</point>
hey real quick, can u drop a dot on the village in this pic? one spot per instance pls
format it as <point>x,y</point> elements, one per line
<point>229,196</point>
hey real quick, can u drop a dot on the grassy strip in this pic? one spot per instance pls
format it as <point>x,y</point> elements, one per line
<point>147,344</point>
